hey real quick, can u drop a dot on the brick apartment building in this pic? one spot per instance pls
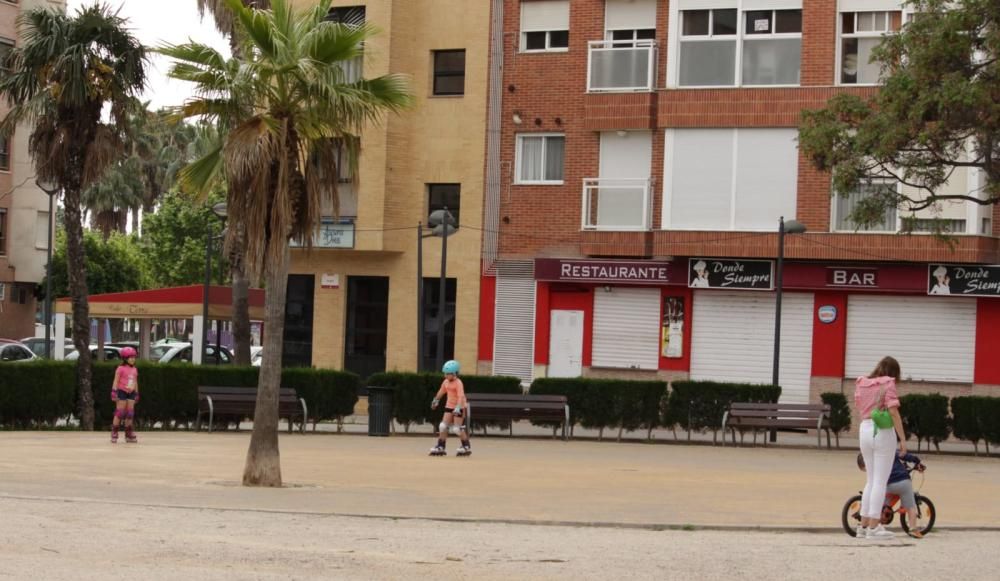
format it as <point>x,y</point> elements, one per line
<point>640,154</point>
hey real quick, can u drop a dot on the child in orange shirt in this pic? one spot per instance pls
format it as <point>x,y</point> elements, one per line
<point>454,411</point>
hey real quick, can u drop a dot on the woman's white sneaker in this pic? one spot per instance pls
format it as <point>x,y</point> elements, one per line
<point>861,533</point>
<point>879,533</point>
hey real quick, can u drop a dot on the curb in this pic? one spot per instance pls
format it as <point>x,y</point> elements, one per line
<point>653,527</point>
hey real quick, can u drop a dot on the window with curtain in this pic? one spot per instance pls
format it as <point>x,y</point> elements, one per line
<point>846,204</point>
<point>860,33</point>
<point>540,158</point>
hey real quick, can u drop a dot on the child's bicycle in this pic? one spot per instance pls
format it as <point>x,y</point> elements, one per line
<point>850,517</point>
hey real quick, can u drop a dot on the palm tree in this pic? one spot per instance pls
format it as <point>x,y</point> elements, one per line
<point>287,108</point>
<point>109,201</point>
<point>61,78</point>
<point>226,24</point>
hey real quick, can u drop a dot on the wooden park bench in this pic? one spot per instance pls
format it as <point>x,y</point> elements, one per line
<point>237,403</point>
<point>773,416</point>
<point>510,407</point>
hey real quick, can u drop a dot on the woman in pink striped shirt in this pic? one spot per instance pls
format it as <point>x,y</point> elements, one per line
<point>878,391</point>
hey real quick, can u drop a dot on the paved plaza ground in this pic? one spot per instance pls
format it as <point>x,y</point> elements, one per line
<point>359,508</point>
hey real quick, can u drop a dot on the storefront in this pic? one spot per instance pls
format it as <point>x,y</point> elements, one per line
<point>713,319</point>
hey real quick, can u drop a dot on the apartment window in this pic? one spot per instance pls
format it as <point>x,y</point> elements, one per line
<point>349,15</point>
<point>3,231</point>
<point>729,179</point>
<point>441,196</point>
<point>708,47</point>
<point>726,47</point>
<point>540,158</point>
<point>846,205</point>
<point>449,72</point>
<point>772,47</point>
<point>6,46</point>
<point>986,226</point>
<point>949,226</point>
<point>4,154</point>
<point>860,33</point>
<point>622,37</point>
<point>545,26</point>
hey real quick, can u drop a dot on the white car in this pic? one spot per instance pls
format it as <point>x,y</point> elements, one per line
<point>181,352</point>
<point>110,353</point>
<point>256,355</point>
<point>11,351</point>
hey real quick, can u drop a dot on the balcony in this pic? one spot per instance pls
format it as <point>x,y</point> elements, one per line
<point>617,204</point>
<point>621,66</point>
<point>331,233</point>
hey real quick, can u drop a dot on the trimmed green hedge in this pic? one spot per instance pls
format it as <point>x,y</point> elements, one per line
<point>38,394</point>
<point>607,403</point>
<point>840,413</point>
<point>975,419</point>
<point>412,393</point>
<point>926,417</point>
<point>700,405</point>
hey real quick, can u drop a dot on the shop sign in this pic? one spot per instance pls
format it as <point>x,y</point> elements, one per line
<point>852,277</point>
<point>330,281</point>
<point>602,271</point>
<point>731,274</point>
<point>331,234</point>
<point>960,279</point>
<point>827,314</point>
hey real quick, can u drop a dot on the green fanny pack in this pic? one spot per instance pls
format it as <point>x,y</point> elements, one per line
<point>881,416</point>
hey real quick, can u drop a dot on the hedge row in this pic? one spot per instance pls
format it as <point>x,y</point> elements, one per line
<point>39,394</point>
<point>607,403</point>
<point>700,405</point>
<point>412,393</point>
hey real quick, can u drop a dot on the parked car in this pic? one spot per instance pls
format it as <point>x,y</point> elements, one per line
<point>181,352</point>
<point>37,345</point>
<point>15,351</point>
<point>110,353</point>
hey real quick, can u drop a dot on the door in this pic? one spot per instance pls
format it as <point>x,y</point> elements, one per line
<point>566,344</point>
<point>297,341</point>
<point>732,339</point>
<point>367,324</point>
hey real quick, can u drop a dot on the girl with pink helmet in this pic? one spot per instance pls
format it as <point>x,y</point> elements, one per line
<point>125,394</point>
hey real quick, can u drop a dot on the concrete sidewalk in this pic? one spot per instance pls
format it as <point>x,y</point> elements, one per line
<point>507,480</point>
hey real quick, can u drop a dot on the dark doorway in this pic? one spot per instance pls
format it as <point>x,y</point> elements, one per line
<point>432,324</point>
<point>367,324</point>
<point>297,344</point>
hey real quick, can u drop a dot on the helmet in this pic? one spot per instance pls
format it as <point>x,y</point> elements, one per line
<point>128,352</point>
<point>450,367</point>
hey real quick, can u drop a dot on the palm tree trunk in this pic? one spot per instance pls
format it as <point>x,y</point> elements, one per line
<point>76,270</point>
<point>263,465</point>
<point>241,298</point>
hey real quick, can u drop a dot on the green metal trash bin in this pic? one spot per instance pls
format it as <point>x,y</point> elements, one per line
<point>379,410</point>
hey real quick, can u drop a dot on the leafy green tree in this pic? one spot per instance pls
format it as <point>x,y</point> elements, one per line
<point>116,264</point>
<point>287,105</point>
<point>66,75</point>
<point>937,112</point>
<point>173,241</point>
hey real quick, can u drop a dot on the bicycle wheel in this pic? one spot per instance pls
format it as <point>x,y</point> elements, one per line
<point>926,515</point>
<point>850,517</point>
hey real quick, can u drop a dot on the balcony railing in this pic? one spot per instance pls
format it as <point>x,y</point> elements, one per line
<point>618,204</point>
<point>621,66</point>
<point>331,233</point>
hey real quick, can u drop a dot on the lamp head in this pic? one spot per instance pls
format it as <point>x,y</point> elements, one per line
<point>794,227</point>
<point>49,187</point>
<point>221,210</point>
<point>439,217</point>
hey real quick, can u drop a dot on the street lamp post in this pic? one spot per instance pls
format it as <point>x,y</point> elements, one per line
<point>790,227</point>
<point>51,190</point>
<point>220,210</point>
<point>441,223</point>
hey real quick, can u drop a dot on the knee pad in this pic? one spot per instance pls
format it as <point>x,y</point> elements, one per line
<point>129,414</point>
<point>442,428</point>
<point>456,429</point>
<point>119,414</point>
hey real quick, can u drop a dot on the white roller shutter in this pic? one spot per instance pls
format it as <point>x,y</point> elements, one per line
<point>732,339</point>
<point>627,328</point>
<point>514,336</point>
<point>545,15</point>
<point>934,339</point>
<point>630,14</point>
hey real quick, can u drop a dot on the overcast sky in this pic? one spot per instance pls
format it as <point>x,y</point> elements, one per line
<point>156,22</point>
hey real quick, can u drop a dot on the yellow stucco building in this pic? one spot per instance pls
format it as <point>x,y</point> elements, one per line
<point>352,300</point>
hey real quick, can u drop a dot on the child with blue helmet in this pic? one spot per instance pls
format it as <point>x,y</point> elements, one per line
<point>454,411</point>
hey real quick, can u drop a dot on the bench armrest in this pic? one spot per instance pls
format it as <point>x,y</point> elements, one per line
<point>305,413</point>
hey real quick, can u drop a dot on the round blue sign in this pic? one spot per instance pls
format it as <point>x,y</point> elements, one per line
<point>827,314</point>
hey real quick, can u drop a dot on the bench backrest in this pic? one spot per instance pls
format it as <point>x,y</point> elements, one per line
<point>778,410</point>
<point>514,397</point>
<point>286,394</point>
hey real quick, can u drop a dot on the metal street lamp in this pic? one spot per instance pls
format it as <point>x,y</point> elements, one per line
<point>51,189</point>
<point>441,223</point>
<point>789,227</point>
<point>221,211</point>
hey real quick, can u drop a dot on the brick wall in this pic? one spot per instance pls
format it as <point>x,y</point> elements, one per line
<point>548,92</point>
